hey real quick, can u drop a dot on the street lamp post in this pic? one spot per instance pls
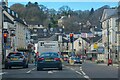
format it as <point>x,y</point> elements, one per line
<point>1,26</point>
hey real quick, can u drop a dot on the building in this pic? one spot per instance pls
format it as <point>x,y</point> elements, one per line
<point>18,32</point>
<point>118,34</point>
<point>108,21</point>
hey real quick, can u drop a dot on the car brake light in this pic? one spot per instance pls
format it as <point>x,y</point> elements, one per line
<point>57,59</point>
<point>40,58</point>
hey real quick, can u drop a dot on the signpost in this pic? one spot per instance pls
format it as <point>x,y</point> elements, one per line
<point>95,46</point>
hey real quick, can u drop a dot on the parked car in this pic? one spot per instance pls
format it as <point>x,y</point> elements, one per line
<point>16,59</point>
<point>49,60</point>
<point>75,60</point>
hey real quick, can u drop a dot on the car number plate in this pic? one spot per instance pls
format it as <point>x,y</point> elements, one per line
<point>14,59</point>
<point>48,59</point>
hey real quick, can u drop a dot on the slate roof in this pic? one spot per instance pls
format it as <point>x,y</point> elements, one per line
<point>16,18</point>
<point>6,19</point>
<point>107,13</point>
<point>95,39</point>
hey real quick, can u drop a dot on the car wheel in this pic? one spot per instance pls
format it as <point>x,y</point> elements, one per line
<point>6,67</point>
<point>27,65</point>
<point>60,68</point>
<point>39,69</point>
<point>10,67</point>
<point>24,66</point>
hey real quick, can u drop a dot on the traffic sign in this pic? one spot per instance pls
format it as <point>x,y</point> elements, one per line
<point>95,46</point>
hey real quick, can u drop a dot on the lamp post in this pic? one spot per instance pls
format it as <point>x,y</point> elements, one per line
<point>1,26</point>
<point>109,55</point>
<point>60,40</point>
<point>13,35</point>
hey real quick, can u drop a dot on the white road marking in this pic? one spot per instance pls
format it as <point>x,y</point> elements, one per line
<point>30,70</point>
<point>78,72</point>
<point>50,72</point>
<point>33,68</point>
<point>2,73</point>
<point>80,67</point>
<point>86,77</point>
<point>83,73</point>
<point>72,69</point>
<point>55,71</point>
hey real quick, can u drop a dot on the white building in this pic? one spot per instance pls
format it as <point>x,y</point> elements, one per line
<point>22,34</point>
<point>108,20</point>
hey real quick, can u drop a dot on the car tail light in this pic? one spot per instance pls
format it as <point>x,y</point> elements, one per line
<point>57,59</point>
<point>40,59</point>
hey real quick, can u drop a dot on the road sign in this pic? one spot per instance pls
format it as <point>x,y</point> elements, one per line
<point>95,46</point>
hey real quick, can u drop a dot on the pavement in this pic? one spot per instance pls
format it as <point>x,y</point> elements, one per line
<point>104,64</point>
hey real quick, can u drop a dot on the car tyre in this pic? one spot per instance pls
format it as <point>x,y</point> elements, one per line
<point>24,66</point>
<point>27,65</point>
<point>6,67</point>
<point>39,69</point>
<point>60,68</point>
<point>10,67</point>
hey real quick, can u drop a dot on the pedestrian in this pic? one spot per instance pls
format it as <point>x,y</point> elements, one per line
<point>35,60</point>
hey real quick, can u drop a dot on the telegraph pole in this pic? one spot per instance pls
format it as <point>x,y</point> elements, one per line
<point>1,26</point>
<point>1,44</point>
<point>108,42</point>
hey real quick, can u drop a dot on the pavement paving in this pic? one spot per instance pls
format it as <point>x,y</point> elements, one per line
<point>104,64</point>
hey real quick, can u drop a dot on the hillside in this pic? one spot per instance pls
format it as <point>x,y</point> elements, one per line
<point>36,14</point>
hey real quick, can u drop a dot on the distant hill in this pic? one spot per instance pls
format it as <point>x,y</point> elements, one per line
<point>36,14</point>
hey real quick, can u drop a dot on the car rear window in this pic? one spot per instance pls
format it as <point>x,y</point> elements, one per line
<point>48,54</point>
<point>15,54</point>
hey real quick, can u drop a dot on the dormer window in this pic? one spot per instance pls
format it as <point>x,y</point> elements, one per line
<point>12,13</point>
<point>35,30</point>
<point>8,10</point>
<point>17,15</point>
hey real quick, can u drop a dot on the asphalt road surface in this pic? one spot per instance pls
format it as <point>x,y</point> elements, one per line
<point>86,71</point>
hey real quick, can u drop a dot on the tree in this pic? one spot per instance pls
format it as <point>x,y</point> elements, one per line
<point>36,3</point>
<point>19,9</point>
<point>92,11</point>
<point>64,10</point>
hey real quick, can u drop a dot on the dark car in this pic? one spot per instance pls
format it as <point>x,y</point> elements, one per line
<point>75,60</point>
<point>16,59</point>
<point>49,60</point>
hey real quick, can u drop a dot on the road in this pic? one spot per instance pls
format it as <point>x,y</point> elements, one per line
<point>86,71</point>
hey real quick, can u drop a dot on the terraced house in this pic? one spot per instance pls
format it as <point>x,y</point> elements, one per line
<point>109,36</point>
<point>19,34</point>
